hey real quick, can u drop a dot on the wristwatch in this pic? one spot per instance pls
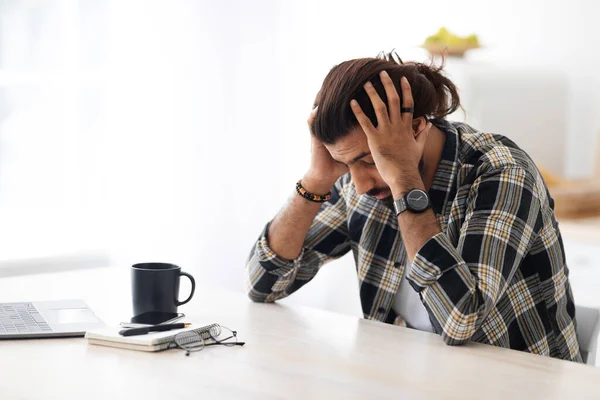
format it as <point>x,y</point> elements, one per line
<point>416,201</point>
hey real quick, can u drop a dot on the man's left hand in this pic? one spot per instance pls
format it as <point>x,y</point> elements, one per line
<point>394,145</point>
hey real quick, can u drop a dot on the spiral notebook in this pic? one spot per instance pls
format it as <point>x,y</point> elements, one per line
<point>154,341</point>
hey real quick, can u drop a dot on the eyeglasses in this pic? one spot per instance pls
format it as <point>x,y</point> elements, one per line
<point>192,341</point>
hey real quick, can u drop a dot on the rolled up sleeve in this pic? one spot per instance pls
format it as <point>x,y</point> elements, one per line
<point>461,282</point>
<point>270,277</point>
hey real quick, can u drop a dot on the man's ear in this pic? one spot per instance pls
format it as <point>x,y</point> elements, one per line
<point>418,124</point>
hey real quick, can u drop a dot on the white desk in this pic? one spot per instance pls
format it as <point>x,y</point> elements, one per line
<point>290,352</point>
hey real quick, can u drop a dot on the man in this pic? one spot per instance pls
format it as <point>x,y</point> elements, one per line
<point>469,248</point>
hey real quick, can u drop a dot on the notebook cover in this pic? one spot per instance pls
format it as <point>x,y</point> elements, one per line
<point>153,341</point>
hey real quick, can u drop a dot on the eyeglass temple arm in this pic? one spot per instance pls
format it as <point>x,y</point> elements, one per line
<point>225,344</point>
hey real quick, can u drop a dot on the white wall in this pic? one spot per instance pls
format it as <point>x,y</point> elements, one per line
<point>201,134</point>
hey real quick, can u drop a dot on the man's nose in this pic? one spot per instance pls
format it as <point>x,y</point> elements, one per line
<point>363,183</point>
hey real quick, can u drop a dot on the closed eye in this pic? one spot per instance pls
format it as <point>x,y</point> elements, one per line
<point>368,164</point>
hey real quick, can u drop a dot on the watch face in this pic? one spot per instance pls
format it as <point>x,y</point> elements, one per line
<point>417,200</point>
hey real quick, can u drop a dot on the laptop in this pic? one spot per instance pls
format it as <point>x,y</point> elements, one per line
<point>46,319</point>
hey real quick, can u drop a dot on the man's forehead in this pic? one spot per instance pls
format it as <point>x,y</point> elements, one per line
<point>350,148</point>
<point>354,138</point>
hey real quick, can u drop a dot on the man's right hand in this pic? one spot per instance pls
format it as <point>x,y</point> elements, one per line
<point>323,171</point>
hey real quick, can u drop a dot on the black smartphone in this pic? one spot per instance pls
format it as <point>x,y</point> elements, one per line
<point>156,318</point>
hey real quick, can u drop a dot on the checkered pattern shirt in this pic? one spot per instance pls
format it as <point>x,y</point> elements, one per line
<point>496,274</point>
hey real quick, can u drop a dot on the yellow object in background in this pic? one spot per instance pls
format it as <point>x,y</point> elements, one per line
<point>446,42</point>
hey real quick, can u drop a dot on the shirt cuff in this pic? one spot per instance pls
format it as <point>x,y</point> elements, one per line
<point>435,257</point>
<point>270,260</point>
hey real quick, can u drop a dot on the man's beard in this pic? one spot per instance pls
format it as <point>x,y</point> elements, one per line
<point>389,201</point>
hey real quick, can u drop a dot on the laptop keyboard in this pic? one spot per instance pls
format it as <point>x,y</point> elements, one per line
<point>22,318</point>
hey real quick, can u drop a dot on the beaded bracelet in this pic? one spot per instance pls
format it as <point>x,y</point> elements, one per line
<point>310,196</point>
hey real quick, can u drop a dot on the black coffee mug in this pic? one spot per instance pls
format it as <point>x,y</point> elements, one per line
<point>155,287</point>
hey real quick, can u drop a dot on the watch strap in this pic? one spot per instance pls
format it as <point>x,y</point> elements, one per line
<point>400,205</point>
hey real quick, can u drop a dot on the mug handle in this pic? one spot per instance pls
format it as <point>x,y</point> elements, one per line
<point>191,278</point>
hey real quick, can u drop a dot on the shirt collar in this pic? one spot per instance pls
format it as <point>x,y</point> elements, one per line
<point>443,188</point>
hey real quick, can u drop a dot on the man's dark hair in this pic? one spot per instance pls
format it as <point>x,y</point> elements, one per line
<point>435,96</point>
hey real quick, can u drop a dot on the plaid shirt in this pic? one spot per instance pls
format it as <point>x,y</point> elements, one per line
<point>496,273</point>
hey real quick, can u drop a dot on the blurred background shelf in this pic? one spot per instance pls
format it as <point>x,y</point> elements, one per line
<point>577,199</point>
